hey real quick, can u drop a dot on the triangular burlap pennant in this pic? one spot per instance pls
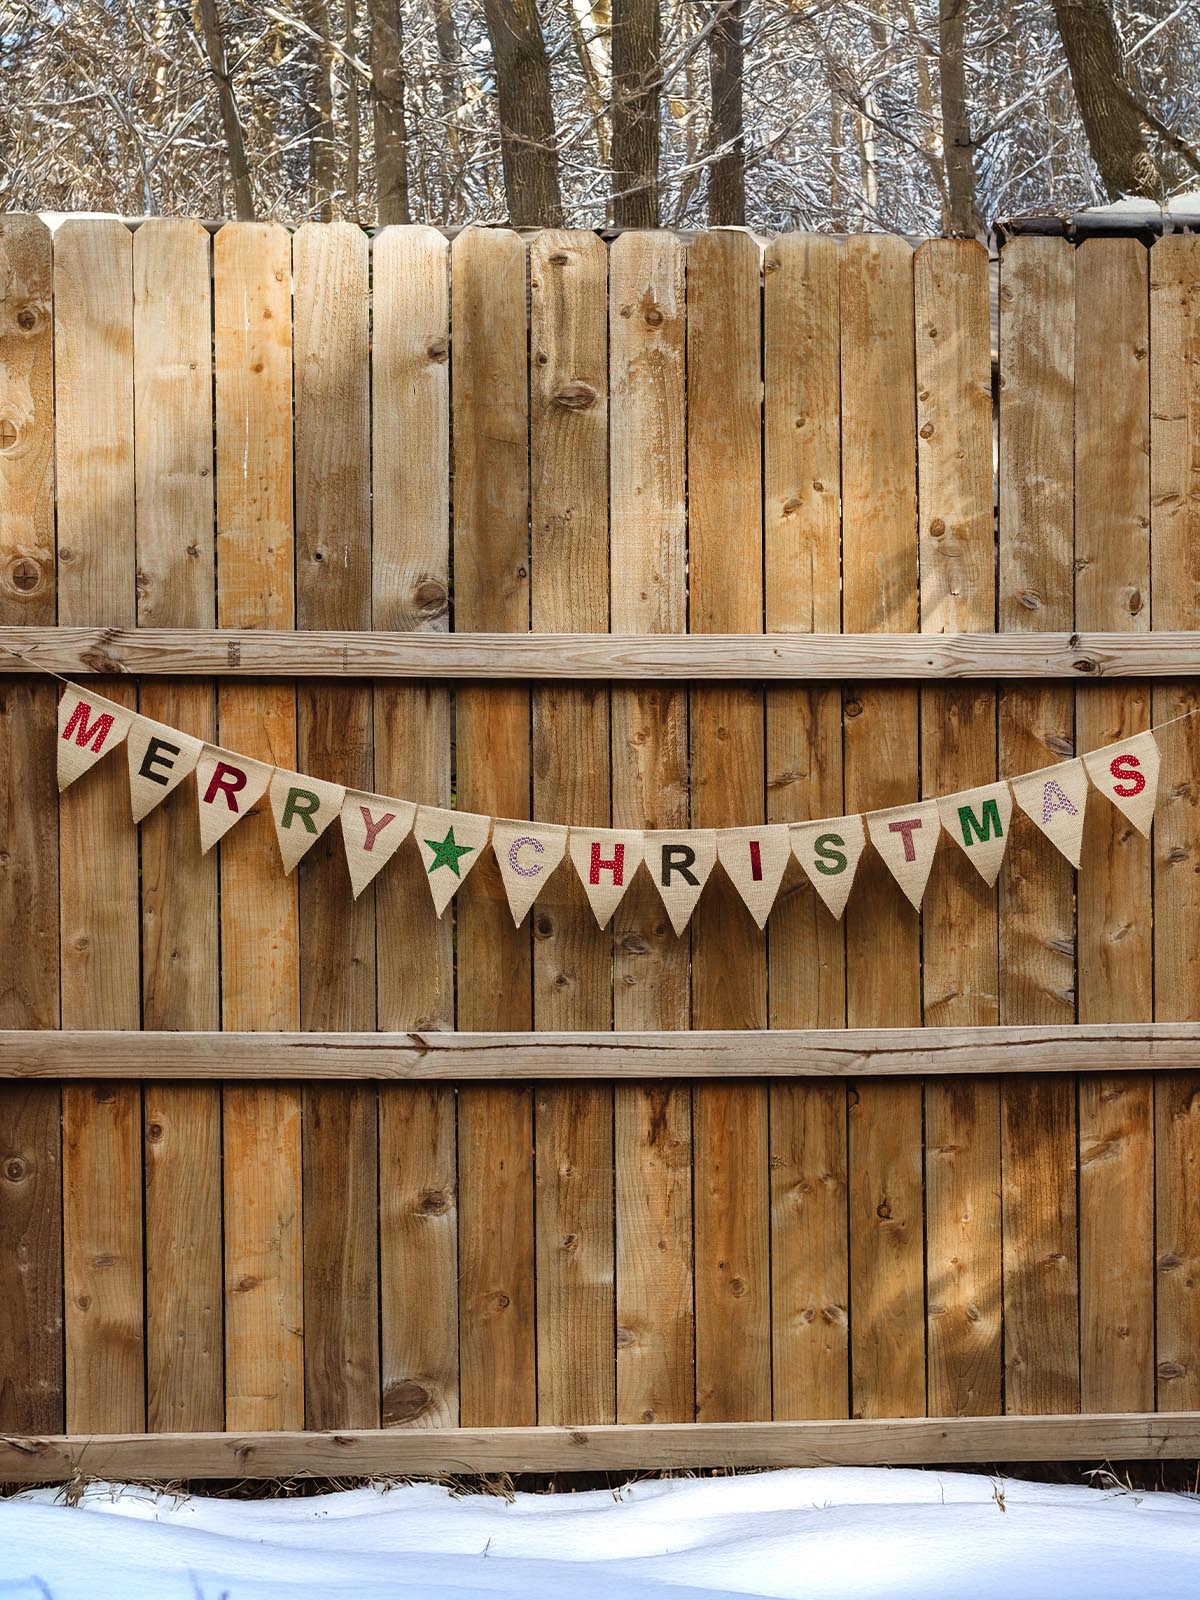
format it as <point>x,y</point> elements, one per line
<point>754,860</point>
<point>906,837</point>
<point>227,785</point>
<point>606,860</point>
<point>160,758</point>
<point>829,850</point>
<point>451,843</point>
<point>527,853</point>
<point>1127,774</point>
<point>679,861</point>
<point>373,829</point>
<point>1055,798</point>
<point>89,726</point>
<point>303,808</point>
<point>977,820</point>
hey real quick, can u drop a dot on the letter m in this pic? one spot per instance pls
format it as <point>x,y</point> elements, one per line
<point>983,827</point>
<point>95,734</point>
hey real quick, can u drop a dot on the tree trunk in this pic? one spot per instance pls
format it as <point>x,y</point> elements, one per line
<point>235,144</point>
<point>387,97</point>
<point>1111,118</point>
<point>527,138</point>
<point>636,83</point>
<point>353,137</point>
<point>727,176</point>
<point>956,125</point>
<point>321,158</point>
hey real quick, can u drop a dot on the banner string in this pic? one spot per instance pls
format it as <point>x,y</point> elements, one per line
<point>1154,727</point>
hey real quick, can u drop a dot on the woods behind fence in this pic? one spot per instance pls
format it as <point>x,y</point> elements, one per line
<point>256,429</point>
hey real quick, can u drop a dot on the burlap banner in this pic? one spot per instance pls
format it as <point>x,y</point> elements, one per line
<point>906,837</point>
<point>1127,774</point>
<point>303,808</point>
<point>829,850</point>
<point>227,786</point>
<point>680,863</point>
<point>160,758</point>
<point>978,821</point>
<point>451,843</point>
<point>754,860</point>
<point>527,853</point>
<point>89,726</point>
<point>373,829</point>
<point>1056,798</point>
<point>606,860</point>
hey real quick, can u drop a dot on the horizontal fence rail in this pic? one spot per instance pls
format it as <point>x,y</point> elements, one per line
<point>440,1057</point>
<point>232,653</point>
<point>904,1441</point>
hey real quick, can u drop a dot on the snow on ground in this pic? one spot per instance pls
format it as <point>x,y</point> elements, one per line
<point>844,1533</point>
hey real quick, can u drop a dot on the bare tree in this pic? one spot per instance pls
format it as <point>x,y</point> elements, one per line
<point>1111,116</point>
<point>322,152</point>
<point>727,177</point>
<point>636,82</point>
<point>527,134</point>
<point>391,124</point>
<point>235,144</point>
<point>956,123</point>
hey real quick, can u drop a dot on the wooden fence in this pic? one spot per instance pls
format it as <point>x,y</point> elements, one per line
<point>318,432</point>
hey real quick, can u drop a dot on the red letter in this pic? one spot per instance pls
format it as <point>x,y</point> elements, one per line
<point>906,828</point>
<point>374,828</point>
<point>616,865</point>
<point>1126,767</point>
<point>755,861</point>
<point>228,780</point>
<point>78,725</point>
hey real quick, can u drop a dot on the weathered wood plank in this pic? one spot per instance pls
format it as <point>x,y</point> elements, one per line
<point>31,1355</point>
<point>330,270</point>
<point>959,947</point>
<point>807,947</point>
<point>1114,889</point>
<point>731,1191</point>
<point>1037,905</point>
<point>883,971</point>
<point>234,652</point>
<point>1174,544</point>
<point>98,864</point>
<point>498,1357</point>
<point>912,1441</point>
<point>260,982</point>
<point>780,1052</point>
<point>572,957</point>
<point>651,967</point>
<point>410,578</point>
<point>173,428</point>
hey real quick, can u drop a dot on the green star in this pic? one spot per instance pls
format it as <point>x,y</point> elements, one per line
<point>446,853</point>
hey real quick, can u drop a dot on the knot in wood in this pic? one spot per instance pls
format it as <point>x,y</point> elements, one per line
<point>433,1203</point>
<point>14,1169</point>
<point>439,350</point>
<point>654,317</point>
<point>431,597</point>
<point>154,1132</point>
<point>575,396</point>
<point>27,319</point>
<point>24,575</point>
<point>9,433</point>
<point>404,1400</point>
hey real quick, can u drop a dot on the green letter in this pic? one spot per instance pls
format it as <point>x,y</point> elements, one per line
<point>983,828</point>
<point>293,808</point>
<point>829,860</point>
